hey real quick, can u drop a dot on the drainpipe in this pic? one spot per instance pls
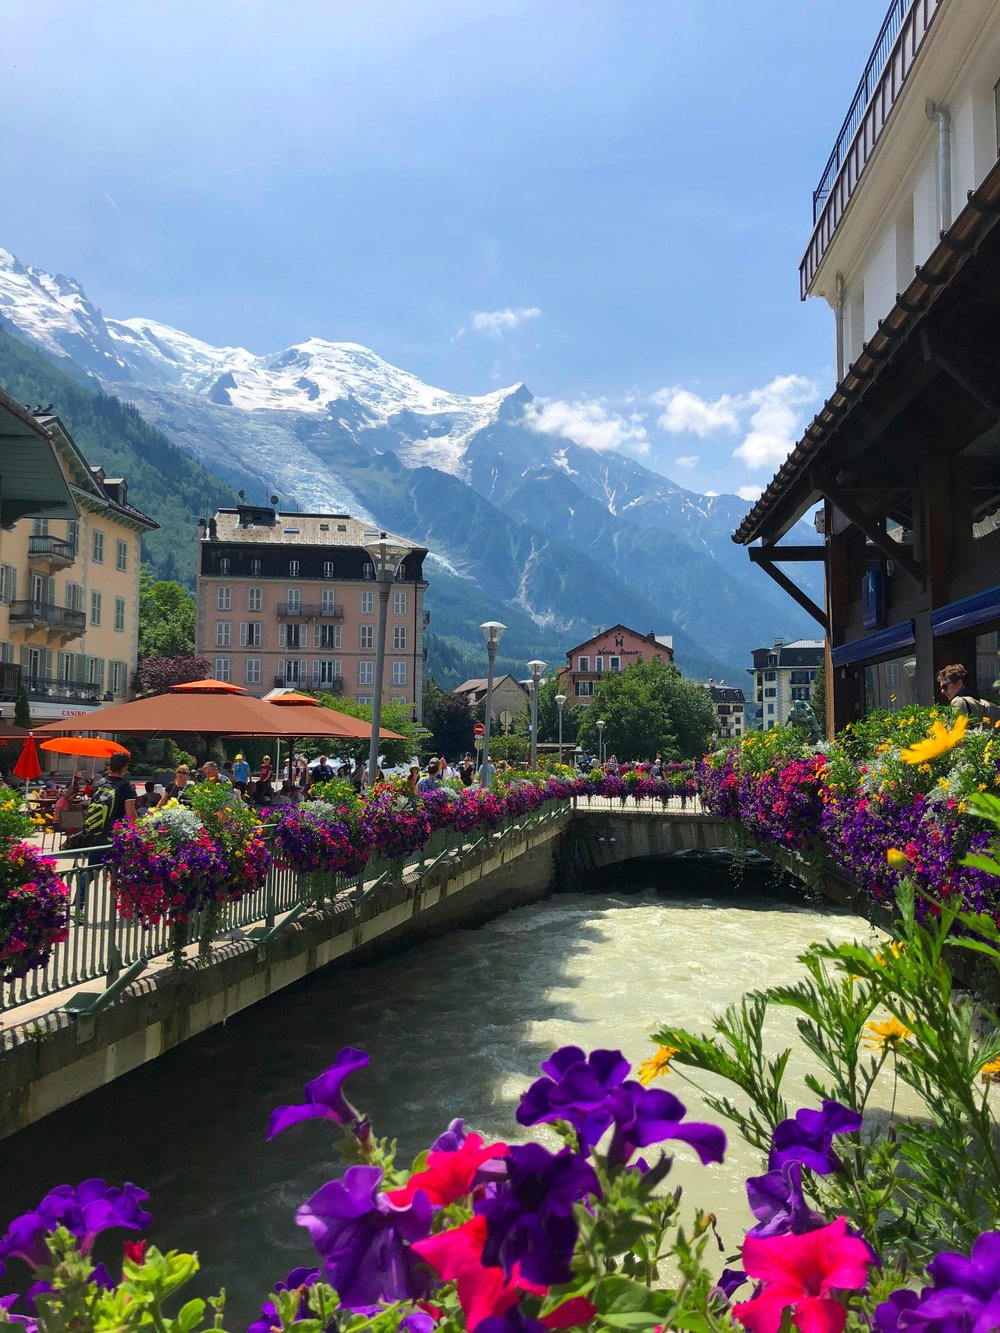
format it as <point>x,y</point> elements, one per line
<point>839,317</point>
<point>943,118</point>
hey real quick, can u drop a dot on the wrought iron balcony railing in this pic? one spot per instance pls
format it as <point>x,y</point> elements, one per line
<point>51,550</point>
<point>63,691</point>
<point>33,612</point>
<point>310,611</point>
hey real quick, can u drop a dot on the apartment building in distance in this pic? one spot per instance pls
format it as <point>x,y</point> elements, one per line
<point>609,650</point>
<point>286,599</point>
<point>729,703</point>
<point>69,590</point>
<point>783,674</point>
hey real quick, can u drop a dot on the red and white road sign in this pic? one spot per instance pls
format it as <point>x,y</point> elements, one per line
<point>479,729</point>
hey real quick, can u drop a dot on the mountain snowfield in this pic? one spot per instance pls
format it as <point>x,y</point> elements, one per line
<point>564,534</point>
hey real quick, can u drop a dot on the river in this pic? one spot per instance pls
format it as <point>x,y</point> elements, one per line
<point>455,1026</point>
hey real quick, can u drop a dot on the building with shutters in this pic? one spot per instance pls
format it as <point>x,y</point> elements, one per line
<point>69,590</point>
<point>784,674</point>
<point>608,651</point>
<point>291,600</point>
<point>729,703</point>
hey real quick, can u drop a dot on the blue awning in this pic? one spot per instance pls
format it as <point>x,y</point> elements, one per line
<point>875,645</point>
<point>974,610</point>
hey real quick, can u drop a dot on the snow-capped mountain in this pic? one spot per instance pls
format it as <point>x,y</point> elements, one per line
<point>571,536</point>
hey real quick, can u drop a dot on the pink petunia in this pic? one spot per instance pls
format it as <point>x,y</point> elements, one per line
<point>805,1273</point>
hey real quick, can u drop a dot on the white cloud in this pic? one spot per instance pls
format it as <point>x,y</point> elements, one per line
<point>775,420</point>
<point>495,323</point>
<point>588,421</point>
<point>687,412</point>
<point>750,492</point>
<point>686,460</point>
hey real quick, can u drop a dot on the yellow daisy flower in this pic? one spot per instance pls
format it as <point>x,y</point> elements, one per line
<point>656,1066</point>
<point>890,1033</point>
<point>938,741</point>
<point>991,1069</point>
<point>897,859</point>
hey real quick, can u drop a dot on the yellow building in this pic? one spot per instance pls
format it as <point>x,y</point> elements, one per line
<point>69,591</point>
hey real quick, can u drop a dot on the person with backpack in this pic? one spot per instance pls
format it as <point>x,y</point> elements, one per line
<point>113,799</point>
<point>953,681</point>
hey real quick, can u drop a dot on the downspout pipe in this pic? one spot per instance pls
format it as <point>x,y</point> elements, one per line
<point>839,312</point>
<point>943,118</point>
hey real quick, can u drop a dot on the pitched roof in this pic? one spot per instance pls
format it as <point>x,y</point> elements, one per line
<point>231,525</point>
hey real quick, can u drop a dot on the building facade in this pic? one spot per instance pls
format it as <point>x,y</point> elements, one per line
<point>609,651</point>
<point>729,703</point>
<point>783,674</point>
<point>509,698</point>
<point>903,460</point>
<point>69,591</point>
<point>291,600</point>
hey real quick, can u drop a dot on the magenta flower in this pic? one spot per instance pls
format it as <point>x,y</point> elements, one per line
<point>805,1274</point>
<point>364,1239</point>
<point>324,1096</point>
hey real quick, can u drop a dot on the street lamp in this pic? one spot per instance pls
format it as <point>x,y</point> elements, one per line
<point>560,702</point>
<point>600,742</point>
<point>536,667</point>
<point>493,631</point>
<point>386,555</point>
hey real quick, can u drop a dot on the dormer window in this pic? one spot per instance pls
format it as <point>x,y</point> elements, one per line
<point>293,569</point>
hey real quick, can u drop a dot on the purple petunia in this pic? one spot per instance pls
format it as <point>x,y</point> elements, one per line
<point>777,1202</point>
<point>576,1088</point>
<point>513,1321</point>
<point>10,1317</point>
<point>808,1138</point>
<point>529,1222</point>
<point>364,1238</point>
<point>964,1298</point>
<point>643,1116</point>
<point>324,1095</point>
<point>452,1138</point>
<point>301,1278</point>
<point>84,1210</point>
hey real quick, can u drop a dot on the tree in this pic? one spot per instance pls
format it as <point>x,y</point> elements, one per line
<point>395,717</point>
<point>818,698</point>
<point>449,719</point>
<point>156,674</point>
<point>548,715</point>
<point>649,706</point>
<point>22,708</point>
<point>166,618</point>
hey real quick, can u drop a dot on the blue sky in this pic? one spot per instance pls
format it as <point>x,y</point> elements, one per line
<point>607,199</point>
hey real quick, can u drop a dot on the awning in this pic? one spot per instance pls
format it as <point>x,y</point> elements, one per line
<point>32,484</point>
<point>875,645</point>
<point>975,610</point>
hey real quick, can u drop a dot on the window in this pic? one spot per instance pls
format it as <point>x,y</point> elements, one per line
<point>399,639</point>
<point>74,596</point>
<point>73,534</point>
<point>769,675</point>
<point>118,678</point>
<point>95,608</point>
<point>251,634</point>
<point>328,601</point>
<point>253,671</point>
<point>293,636</point>
<point>583,664</point>
<point>367,603</point>
<point>121,554</point>
<point>8,583</point>
<point>364,699</point>
<point>255,568</point>
<point>399,603</point>
<point>95,671</point>
<point>584,689</point>
<point>598,664</point>
<point>328,569</point>
<point>225,565</point>
<point>800,692</point>
<point>329,671</point>
<point>770,708</point>
<point>40,527</point>
<point>366,636</point>
<point>368,570</point>
<point>255,599</point>
<point>224,598</point>
<point>399,673</point>
<point>615,664</point>
<point>328,636</point>
<point>892,673</point>
<point>97,546</point>
<point>120,614</point>
<point>293,569</point>
<point>293,600</point>
<point>223,633</point>
<point>293,670</point>
<point>770,693</point>
<point>366,673</point>
<point>222,668</point>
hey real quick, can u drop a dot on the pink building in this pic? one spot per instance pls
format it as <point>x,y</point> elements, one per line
<point>611,650</point>
<point>291,599</point>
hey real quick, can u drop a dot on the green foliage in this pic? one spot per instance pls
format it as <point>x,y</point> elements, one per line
<point>164,482</point>
<point>22,708</point>
<point>448,717</point>
<point>818,699</point>
<point>395,717</point>
<point>166,618</point>
<point>548,714</point>
<point>649,706</point>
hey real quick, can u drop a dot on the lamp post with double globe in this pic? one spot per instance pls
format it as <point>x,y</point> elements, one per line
<point>386,554</point>
<point>560,704</point>
<point>600,742</point>
<point>493,631</point>
<point>536,667</point>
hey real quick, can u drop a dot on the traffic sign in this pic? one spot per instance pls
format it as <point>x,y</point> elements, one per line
<point>479,729</point>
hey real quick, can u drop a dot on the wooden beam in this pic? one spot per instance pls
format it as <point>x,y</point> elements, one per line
<point>862,520</point>
<point>759,554</point>
<point>765,562</point>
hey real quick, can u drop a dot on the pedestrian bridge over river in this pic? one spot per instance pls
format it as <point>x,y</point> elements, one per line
<point>110,1000</point>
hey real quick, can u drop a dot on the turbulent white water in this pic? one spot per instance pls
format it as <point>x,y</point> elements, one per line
<point>456,1026</point>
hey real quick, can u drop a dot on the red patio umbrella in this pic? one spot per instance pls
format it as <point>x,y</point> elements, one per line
<point>27,766</point>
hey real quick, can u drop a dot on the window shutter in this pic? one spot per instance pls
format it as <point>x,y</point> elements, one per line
<point>13,583</point>
<point>316,634</point>
<point>48,663</point>
<point>51,592</point>
<point>243,634</point>
<point>282,634</point>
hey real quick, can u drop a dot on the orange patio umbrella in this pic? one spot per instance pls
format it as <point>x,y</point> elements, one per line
<point>208,686</point>
<point>92,747</point>
<point>349,728</point>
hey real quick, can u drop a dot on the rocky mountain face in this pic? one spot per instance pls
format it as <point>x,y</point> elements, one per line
<point>551,536</point>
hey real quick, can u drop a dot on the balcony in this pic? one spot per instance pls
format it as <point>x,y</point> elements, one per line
<point>10,681</point>
<point>310,611</point>
<point>63,691</point>
<point>46,615</point>
<point>335,685</point>
<point>897,46</point>
<point>50,553</point>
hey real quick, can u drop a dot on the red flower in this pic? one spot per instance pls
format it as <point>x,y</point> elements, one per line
<point>804,1273</point>
<point>458,1255</point>
<point>448,1176</point>
<point>135,1251</point>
